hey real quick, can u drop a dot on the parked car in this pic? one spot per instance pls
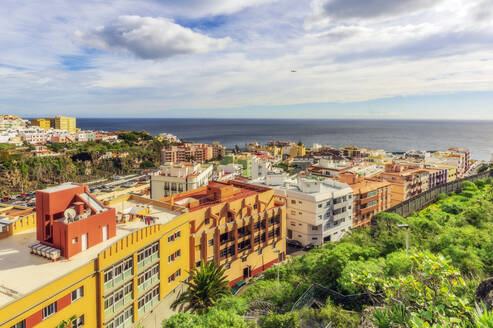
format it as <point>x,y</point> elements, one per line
<point>21,196</point>
<point>5,198</point>
<point>294,243</point>
<point>308,247</point>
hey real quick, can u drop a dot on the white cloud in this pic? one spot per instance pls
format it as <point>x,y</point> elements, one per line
<point>200,8</point>
<point>151,38</point>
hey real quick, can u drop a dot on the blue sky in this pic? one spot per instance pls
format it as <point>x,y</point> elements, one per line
<point>212,58</point>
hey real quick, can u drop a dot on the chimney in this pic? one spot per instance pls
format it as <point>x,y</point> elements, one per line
<point>79,208</point>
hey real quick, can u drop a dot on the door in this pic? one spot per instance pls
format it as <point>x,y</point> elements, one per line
<point>84,241</point>
<point>105,233</point>
<point>246,272</point>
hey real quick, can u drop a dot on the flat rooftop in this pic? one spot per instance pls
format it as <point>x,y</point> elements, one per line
<point>18,265</point>
<point>207,198</point>
<point>61,187</point>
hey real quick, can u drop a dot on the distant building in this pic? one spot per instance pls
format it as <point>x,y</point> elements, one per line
<point>42,123</point>
<point>329,168</point>
<point>407,181</point>
<point>176,178</point>
<point>11,122</point>
<point>188,152</point>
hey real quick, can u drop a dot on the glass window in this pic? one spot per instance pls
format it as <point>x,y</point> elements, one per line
<point>79,322</point>
<point>49,310</point>
<point>78,293</point>
<point>21,324</point>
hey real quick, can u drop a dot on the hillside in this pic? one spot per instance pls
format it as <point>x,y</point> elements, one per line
<point>369,278</point>
<point>79,162</point>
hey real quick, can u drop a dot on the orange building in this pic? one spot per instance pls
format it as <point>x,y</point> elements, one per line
<point>407,181</point>
<point>370,197</point>
<point>189,152</point>
<point>236,224</point>
<point>71,220</point>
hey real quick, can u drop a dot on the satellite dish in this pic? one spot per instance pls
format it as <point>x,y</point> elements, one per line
<point>70,213</point>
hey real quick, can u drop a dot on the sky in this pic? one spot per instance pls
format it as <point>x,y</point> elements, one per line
<point>406,59</point>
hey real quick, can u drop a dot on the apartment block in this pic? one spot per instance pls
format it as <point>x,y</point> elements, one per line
<point>318,210</point>
<point>236,224</point>
<point>42,123</point>
<point>407,181</point>
<point>176,178</point>
<point>370,197</point>
<point>120,263</point>
<point>187,152</point>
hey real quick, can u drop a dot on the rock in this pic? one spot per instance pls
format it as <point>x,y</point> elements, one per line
<point>484,293</point>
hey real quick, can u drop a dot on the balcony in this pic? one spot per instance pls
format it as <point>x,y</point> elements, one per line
<point>147,284</point>
<point>147,261</point>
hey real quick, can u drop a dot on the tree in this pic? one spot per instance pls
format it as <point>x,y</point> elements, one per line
<point>66,323</point>
<point>208,283</point>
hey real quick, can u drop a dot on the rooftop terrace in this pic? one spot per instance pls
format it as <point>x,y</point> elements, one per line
<point>18,266</point>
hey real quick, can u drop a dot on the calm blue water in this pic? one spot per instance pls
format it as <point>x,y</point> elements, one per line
<point>389,135</point>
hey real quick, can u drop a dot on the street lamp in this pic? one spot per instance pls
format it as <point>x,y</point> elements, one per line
<point>406,226</point>
<point>276,251</point>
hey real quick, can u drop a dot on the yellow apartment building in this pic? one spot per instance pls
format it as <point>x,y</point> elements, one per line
<point>42,123</point>
<point>133,276</point>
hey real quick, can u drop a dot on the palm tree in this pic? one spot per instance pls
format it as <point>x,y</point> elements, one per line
<point>207,284</point>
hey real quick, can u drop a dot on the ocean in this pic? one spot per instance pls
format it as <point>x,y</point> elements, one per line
<point>391,135</point>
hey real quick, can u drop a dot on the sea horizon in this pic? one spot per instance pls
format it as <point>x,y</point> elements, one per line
<point>393,135</point>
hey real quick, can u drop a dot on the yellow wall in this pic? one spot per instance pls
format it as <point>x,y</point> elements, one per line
<point>42,123</point>
<point>36,301</point>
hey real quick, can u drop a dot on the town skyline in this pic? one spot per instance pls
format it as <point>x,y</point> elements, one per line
<point>265,59</point>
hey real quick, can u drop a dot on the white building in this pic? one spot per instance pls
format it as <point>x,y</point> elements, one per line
<point>259,168</point>
<point>176,178</point>
<point>318,210</point>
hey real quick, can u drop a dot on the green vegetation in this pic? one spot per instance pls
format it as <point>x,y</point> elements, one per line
<point>208,283</point>
<point>78,162</point>
<point>451,251</point>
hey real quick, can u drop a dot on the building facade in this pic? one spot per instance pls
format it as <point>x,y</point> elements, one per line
<point>370,197</point>
<point>318,210</point>
<point>131,276</point>
<point>177,178</point>
<point>407,181</point>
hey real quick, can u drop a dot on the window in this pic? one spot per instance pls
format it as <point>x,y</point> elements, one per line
<point>49,310</point>
<point>108,276</point>
<point>174,276</point>
<point>293,201</point>
<point>21,324</point>
<point>210,242</point>
<point>227,266</point>
<point>74,240</point>
<point>171,238</point>
<point>174,256</point>
<point>314,228</point>
<point>78,293</point>
<point>79,322</point>
<point>207,221</point>
<point>320,205</point>
<point>243,259</point>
